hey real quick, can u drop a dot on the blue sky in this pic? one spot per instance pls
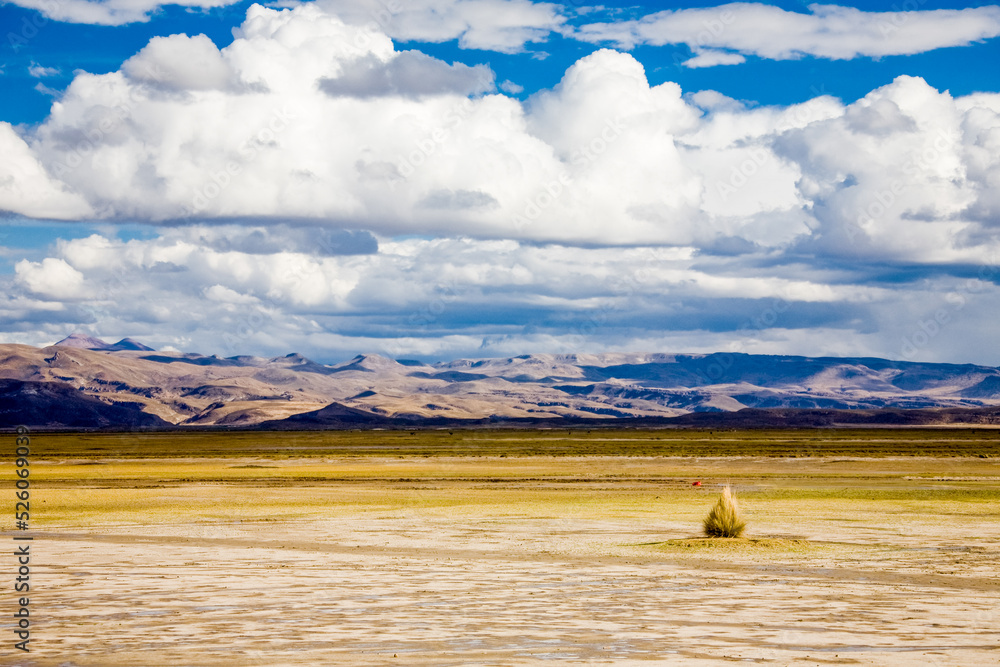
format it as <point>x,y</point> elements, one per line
<point>443,178</point>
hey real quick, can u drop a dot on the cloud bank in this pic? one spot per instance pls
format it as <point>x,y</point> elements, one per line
<point>313,187</point>
<point>234,290</point>
<point>827,31</point>
<point>308,118</point>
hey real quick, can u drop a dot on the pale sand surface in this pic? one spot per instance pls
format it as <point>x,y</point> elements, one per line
<point>500,583</point>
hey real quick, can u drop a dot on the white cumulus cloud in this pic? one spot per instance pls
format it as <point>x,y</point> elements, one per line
<point>181,63</point>
<point>26,186</point>
<point>52,277</point>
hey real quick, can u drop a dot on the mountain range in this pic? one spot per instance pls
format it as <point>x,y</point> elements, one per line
<point>83,382</point>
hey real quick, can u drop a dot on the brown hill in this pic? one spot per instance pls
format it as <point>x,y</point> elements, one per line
<point>57,405</point>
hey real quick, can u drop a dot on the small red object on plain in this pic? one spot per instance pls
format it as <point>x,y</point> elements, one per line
<point>696,484</point>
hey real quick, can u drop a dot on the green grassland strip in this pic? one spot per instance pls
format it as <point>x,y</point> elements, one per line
<point>212,503</point>
<point>873,443</point>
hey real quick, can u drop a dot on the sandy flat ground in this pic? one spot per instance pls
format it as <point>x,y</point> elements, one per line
<point>497,582</point>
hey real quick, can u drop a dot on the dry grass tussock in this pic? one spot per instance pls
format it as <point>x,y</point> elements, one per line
<point>724,520</point>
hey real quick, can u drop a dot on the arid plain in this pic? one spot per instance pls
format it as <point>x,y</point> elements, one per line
<point>510,548</point>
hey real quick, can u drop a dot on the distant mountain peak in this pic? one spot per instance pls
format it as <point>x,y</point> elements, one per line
<point>130,344</point>
<point>84,342</point>
<point>370,362</point>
